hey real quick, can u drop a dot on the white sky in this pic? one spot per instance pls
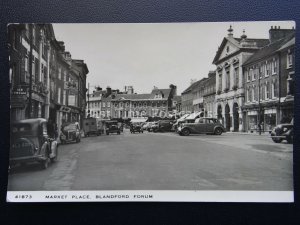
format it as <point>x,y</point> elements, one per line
<point>156,54</point>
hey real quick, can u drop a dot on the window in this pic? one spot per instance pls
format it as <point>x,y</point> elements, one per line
<point>134,105</point>
<point>127,104</point>
<point>267,67</point>
<point>254,73</point>
<point>58,95</point>
<point>145,104</point>
<point>103,104</point>
<point>220,81</point>
<point>249,74</point>
<point>274,66</point>
<point>236,76</point>
<point>121,104</point>
<point>59,73</point>
<point>227,79</point>
<point>64,97</point>
<point>108,104</point>
<point>261,92</point>
<point>116,105</point>
<point>289,59</point>
<point>267,89</point>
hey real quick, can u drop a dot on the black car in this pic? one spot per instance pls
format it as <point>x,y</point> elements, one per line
<point>112,127</point>
<point>70,132</point>
<point>163,125</point>
<point>30,142</point>
<point>136,128</point>
<point>283,132</point>
<point>204,125</point>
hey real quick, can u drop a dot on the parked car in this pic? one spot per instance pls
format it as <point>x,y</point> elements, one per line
<point>70,132</point>
<point>163,125</point>
<point>112,127</point>
<point>91,126</point>
<point>136,127</point>
<point>178,121</point>
<point>30,142</point>
<point>283,132</point>
<point>153,126</point>
<point>146,126</point>
<point>204,125</point>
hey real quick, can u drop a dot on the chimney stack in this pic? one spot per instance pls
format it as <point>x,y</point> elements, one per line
<point>275,33</point>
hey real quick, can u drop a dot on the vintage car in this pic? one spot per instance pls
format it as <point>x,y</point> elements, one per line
<point>283,132</point>
<point>30,142</point>
<point>163,125</point>
<point>70,132</point>
<point>146,126</point>
<point>136,128</point>
<point>153,126</point>
<point>179,121</point>
<point>204,125</point>
<point>91,126</point>
<point>112,127</point>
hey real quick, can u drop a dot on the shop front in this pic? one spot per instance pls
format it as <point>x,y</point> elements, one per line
<point>252,121</point>
<point>270,118</point>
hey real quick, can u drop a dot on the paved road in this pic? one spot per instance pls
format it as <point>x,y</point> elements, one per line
<point>163,161</point>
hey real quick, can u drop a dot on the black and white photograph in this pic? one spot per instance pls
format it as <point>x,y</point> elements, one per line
<point>187,112</point>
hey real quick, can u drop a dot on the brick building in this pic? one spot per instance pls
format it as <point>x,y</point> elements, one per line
<point>268,82</point>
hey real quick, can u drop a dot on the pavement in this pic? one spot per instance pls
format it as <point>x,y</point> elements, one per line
<point>163,161</point>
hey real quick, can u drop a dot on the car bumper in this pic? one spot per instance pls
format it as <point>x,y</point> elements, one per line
<point>27,159</point>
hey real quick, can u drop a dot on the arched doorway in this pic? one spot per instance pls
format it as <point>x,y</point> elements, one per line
<point>219,114</point>
<point>235,117</point>
<point>227,117</point>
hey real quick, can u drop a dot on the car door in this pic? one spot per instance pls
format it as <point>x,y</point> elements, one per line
<point>210,124</point>
<point>201,125</point>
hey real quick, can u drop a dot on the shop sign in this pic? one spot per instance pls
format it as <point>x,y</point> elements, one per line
<point>19,90</point>
<point>71,85</point>
<point>18,101</point>
<point>65,109</point>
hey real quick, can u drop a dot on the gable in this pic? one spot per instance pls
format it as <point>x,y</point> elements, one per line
<point>231,44</point>
<point>228,49</point>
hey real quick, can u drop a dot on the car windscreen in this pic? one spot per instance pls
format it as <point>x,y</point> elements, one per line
<point>70,127</point>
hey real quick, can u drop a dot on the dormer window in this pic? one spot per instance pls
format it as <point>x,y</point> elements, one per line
<point>158,95</point>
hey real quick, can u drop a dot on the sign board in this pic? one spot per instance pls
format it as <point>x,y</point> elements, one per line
<point>71,85</point>
<point>65,109</point>
<point>19,90</point>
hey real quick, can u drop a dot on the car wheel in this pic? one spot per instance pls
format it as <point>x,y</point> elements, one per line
<point>118,132</point>
<point>277,140</point>
<point>107,133</point>
<point>186,132</point>
<point>218,131</point>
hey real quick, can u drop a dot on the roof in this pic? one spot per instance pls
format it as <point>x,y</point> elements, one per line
<point>249,43</point>
<point>164,92</point>
<point>268,50</point>
<point>177,98</point>
<point>131,97</point>
<point>290,43</point>
<point>191,87</point>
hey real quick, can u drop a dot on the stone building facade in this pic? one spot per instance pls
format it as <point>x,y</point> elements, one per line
<point>231,55</point>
